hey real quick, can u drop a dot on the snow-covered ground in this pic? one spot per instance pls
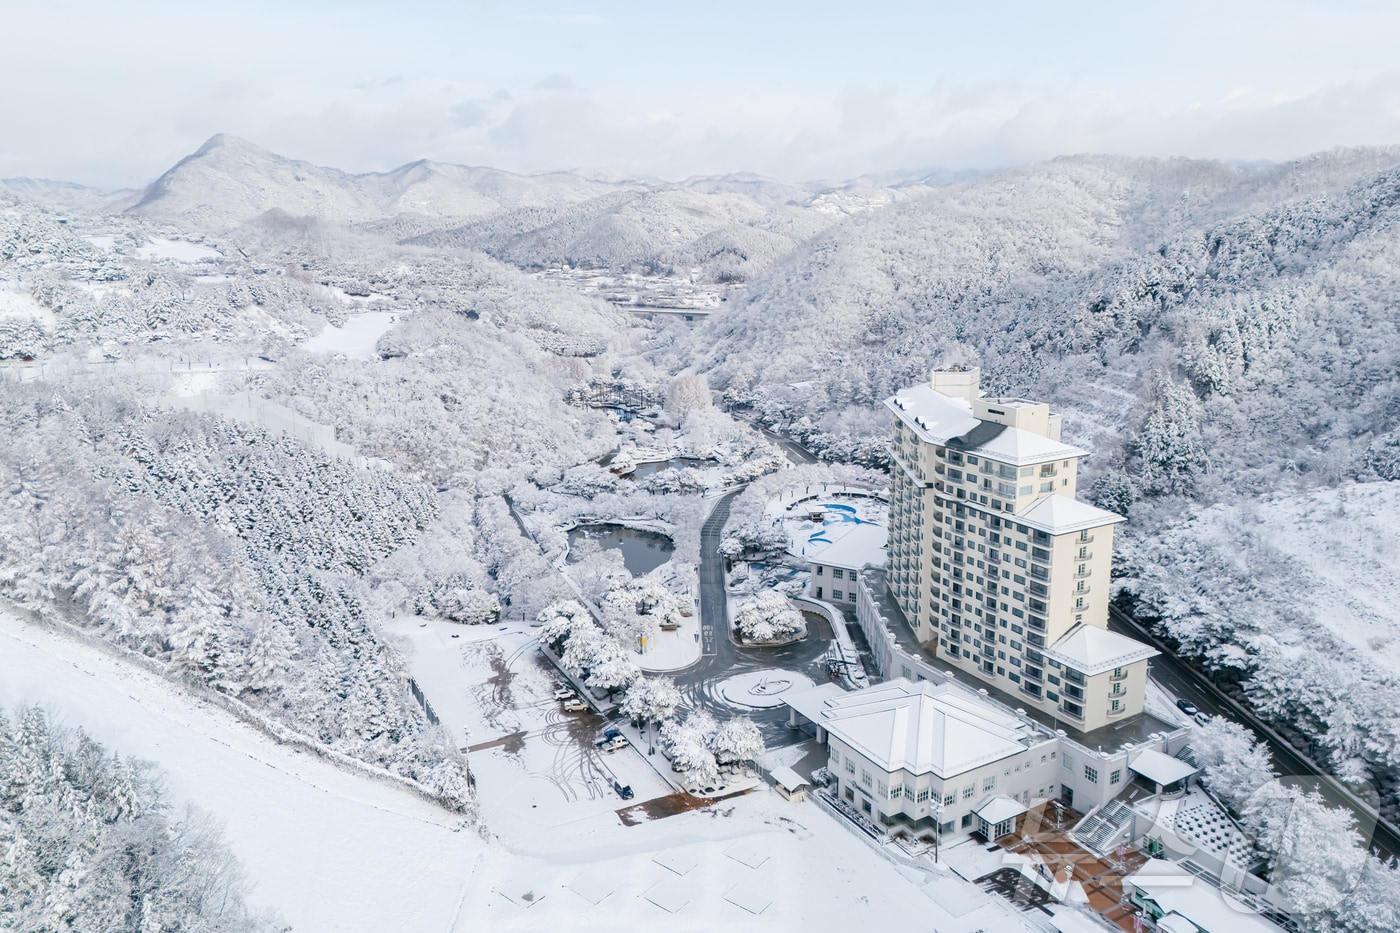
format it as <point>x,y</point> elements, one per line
<point>16,302</point>
<point>328,849</point>
<point>177,251</point>
<point>357,338</point>
<point>580,864</point>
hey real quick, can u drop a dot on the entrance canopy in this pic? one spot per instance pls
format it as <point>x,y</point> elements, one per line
<point>1160,769</point>
<point>999,809</point>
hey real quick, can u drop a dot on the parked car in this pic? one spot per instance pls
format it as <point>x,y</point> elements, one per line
<point>1202,719</point>
<point>623,790</point>
<point>611,733</point>
<point>613,744</point>
<point>575,705</point>
<point>1187,707</point>
<point>564,693</point>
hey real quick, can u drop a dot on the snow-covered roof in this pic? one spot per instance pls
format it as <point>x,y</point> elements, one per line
<point>1093,650</point>
<point>916,727</point>
<point>858,545</point>
<point>1178,891</point>
<point>949,422</point>
<point>788,778</point>
<point>1159,768</point>
<point>1058,515</point>
<point>998,808</point>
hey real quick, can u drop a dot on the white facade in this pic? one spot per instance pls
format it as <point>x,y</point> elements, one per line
<point>928,755</point>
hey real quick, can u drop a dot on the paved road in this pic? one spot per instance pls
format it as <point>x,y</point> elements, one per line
<point>1187,683</point>
<point>795,451</point>
<point>721,659</point>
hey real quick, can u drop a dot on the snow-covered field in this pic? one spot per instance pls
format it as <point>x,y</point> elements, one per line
<point>357,338</point>
<point>177,251</point>
<point>15,302</point>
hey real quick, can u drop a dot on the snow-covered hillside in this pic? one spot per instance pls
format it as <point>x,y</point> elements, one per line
<point>229,181</point>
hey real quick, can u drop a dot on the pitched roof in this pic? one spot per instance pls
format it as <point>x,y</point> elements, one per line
<point>1059,515</point>
<point>949,422</point>
<point>1093,650</point>
<point>998,808</point>
<point>918,727</point>
<point>1159,768</point>
<point>1178,891</point>
<point>788,778</point>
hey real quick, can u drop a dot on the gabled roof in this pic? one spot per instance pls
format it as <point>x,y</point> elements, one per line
<point>1058,515</point>
<point>1159,768</point>
<point>788,778</point>
<point>918,727</point>
<point>949,422</point>
<point>1093,650</point>
<point>998,808</point>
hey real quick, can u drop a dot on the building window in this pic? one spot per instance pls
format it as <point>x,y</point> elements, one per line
<point>989,783</point>
<point>835,757</point>
<point>819,570</point>
<point>968,791</point>
<point>950,799</point>
<point>896,791</point>
<point>1091,774</point>
<point>1115,776</point>
<point>836,594</point>
<point>922,796</point>
<point>865,778</point>
<point>838,573</point>
<point>850,766</point>
<point>1068,762</point>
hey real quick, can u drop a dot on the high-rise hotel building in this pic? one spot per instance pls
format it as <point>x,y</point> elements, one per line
<point>1000,570</point>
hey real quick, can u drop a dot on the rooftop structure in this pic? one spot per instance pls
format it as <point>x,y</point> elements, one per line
<point>1168,892</point>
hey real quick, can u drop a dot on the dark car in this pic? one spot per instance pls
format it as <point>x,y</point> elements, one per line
<point>611,733</point>
<point>1187,707</point>
<point>623,790</point>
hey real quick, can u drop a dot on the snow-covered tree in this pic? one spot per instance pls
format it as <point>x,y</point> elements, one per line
<point>688,744</point>
<point>736,740</point>
<point>651,699</point>
<point>1233,763</point>
<point>1314,851</point>
<point>770,617</point>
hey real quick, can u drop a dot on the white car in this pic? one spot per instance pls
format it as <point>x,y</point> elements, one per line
<point>564,693</point>
<point>613,744</point>
<point>574,705</point>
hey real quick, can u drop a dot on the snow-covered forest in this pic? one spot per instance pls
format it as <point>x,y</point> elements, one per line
<point>91,842</point>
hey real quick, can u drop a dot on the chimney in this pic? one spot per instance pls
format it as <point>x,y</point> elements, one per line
<point>957,383</point>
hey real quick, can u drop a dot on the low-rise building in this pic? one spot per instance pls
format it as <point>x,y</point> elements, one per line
<point>929,757</point>
<point>836,569</point>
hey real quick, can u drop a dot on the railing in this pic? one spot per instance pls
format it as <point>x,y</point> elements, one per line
<point>1119,673</point>
<point>1085,538</point>
<point>1074,677</point>
<point>1082,575</point>
<point>1071,714</point>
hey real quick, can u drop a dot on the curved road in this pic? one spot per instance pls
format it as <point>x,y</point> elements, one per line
<point>1190,684</point>
<point>720,658</point>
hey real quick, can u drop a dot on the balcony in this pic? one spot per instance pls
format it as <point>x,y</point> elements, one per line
<point>1032,673</point>
<point>1074,677</point>
<point>1119,711</point>
<point>1084,554</point>
<point>1083,575</point>
<point>1035,640</point>
<point>1072,711</point>
<point>1031,690</point>
<point>1085,538</point>
<point>1073,692</point>
<point>1036,624</point>
<point>1119,673</point>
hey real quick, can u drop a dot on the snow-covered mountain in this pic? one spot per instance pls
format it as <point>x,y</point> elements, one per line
<point>229,181</point>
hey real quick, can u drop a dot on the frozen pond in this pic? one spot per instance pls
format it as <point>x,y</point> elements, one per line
<point>642,551</point>
<point>644,470</point>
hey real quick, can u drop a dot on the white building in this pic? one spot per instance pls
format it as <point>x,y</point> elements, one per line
<point>930,757</point>
<point>835,569</point>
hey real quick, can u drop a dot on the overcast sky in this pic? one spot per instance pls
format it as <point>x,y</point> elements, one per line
<point>112,94</point>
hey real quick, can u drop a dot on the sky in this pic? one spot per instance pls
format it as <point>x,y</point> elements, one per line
<point>112,94</point>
